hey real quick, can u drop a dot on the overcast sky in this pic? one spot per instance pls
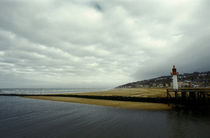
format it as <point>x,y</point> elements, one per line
<point>100,43</point>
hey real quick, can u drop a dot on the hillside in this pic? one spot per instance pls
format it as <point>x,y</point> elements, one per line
<point>195,79</point>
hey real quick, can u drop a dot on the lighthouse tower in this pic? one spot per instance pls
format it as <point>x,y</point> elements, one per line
<point>174,78</point>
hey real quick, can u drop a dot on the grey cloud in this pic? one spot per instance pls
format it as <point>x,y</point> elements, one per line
<point>99,43</point>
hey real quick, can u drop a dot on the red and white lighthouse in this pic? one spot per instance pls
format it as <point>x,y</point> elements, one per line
<point>174,78</point>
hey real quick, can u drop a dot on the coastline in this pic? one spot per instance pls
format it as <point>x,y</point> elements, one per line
<point>129,92</point>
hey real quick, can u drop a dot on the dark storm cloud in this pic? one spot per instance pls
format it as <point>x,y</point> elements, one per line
<point>97,43</point>
<point>97,6</point>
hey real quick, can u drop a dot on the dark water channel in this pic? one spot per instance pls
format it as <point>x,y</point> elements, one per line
<point>21,117</point>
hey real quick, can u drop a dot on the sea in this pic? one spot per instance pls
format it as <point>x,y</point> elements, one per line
<point>32,118</point>
<point>48,90</point>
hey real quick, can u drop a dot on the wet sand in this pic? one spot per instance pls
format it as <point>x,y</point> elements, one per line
<point>118,104</point>
<point>131,92</point>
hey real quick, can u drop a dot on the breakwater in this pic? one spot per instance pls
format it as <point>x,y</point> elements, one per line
<point>118,98</point>
<point>189,96</point>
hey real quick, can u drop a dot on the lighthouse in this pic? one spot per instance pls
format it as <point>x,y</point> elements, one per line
<point>174,78</point>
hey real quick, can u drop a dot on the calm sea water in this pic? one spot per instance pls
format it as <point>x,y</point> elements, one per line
<point>49,90</point>
<point>22,117</point>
